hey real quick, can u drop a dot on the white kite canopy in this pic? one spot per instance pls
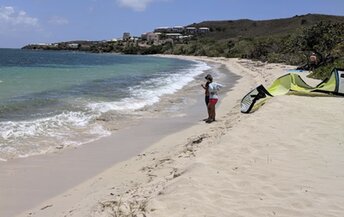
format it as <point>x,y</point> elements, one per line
<point>334,83</point>
<point>341,81</point>
<point>292,83</point>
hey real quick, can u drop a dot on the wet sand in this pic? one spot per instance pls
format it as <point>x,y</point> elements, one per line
<point>26,182</point>
<point>283,160</point>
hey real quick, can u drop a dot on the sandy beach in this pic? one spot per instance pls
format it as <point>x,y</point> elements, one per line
<point>285,159</point>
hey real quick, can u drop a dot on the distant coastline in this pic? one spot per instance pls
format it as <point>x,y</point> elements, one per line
<point>288,40</point>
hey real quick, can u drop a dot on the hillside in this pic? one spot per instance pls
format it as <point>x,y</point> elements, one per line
<point>276,27</point>
<point>287,40</point>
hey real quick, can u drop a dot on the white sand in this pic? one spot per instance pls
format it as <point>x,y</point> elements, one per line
<point>286,159</point>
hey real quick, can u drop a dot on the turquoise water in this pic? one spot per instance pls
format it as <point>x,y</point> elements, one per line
<point>49,99</point>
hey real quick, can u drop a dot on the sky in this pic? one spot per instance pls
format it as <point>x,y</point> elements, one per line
<point>25,22</point>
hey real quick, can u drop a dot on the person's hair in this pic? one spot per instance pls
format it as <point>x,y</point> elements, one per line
<point>209,77</point>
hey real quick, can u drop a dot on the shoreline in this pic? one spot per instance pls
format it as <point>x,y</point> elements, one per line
<point>285,159</point>
<point>27,182</point>
<point>85,120</point>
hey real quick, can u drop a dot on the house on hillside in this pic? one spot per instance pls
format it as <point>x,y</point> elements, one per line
<point>150,36</point>
<point>203,30</point>
<point>178,29</point>
<point>174,36</point>
<point>126,36</point>
<point>191,30</point>
<point>73,46</point>
<point>144,36</point>
<point>163,29</point>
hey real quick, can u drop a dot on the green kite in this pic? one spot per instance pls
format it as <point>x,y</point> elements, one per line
<point>292,83</point>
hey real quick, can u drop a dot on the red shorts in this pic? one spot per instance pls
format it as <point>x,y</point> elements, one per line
<point>213,101</point>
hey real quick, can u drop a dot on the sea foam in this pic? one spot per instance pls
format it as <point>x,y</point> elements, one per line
<point>150,91</point>
<point>46,126</point>
<point>38,136</point>
<point>19,138</point>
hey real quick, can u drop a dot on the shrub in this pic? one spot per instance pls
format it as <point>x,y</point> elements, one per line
<point>324,71</point>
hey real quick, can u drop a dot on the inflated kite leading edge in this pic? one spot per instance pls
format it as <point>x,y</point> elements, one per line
<point>292,83</point>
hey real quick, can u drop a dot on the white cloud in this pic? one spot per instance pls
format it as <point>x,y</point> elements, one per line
<point>137,5</point>
<point>56,20</point>
<point>11,18</point>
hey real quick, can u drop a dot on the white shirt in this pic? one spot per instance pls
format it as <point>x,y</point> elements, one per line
<point>213,88</point>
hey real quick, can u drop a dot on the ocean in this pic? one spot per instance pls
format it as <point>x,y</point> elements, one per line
<point>51,100</point>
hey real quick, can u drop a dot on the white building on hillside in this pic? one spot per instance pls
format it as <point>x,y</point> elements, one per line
<point>203,30</point>
<point>73,45</point>
<point>174,35</point>
<point>178,29</point>
<point>152,37</point>
<point>126,36</point>
<point>191,30</point>
<point>163,29</point>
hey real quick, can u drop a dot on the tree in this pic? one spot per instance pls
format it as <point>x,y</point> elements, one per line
<point>321,38</point>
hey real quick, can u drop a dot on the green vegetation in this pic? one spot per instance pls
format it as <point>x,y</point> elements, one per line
<point>289,40</point>
<point>324,70</point>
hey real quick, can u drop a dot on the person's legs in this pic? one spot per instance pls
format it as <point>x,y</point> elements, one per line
<point>211,108</point>
<point>213,113</point>
<point>209,111</point>
<point>207,104</point>
<point>206,99</point>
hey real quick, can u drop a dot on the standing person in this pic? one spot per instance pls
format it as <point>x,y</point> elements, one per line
<point>313,61</point>
<point>206,93</point>
<point>213,98</point>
